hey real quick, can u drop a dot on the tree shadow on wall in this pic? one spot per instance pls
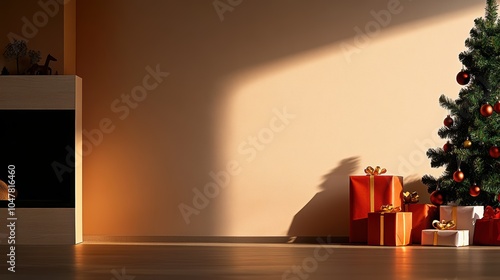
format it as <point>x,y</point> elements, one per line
<point>327,213</point>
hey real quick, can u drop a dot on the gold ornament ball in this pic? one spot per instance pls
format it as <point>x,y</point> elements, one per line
<point>467,143</point>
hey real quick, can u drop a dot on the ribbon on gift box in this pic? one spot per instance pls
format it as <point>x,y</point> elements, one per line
<point>372,172</point>
<point>454,210</point>
<point>382,229</point>
<point>388,208</point>
<point>444,225</point>
<point>410,198</point>
<point>404,232</point>
<point>441,225</point>
<point>491,213</point>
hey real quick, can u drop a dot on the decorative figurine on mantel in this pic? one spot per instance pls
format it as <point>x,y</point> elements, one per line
<point>4,71</point>
<point>16,50</point>
<point>37,69</point>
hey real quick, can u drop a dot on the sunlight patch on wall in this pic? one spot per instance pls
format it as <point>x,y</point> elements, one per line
<point>289,122</point>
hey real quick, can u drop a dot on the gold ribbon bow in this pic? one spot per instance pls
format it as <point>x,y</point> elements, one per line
<point>410,197</point>
<point>370,171</point>
<point>443,225</point>
<point>389,209</point>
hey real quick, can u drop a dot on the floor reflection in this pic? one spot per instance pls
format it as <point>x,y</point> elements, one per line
<point>250,261</point>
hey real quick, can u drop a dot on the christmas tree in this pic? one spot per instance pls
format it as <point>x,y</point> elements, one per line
<point>471,153</point>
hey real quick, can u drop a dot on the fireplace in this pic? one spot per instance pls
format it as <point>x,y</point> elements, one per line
<point>41,146</point>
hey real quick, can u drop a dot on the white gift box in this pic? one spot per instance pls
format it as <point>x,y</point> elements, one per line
<point>464,217</point>
<point>450,238</point>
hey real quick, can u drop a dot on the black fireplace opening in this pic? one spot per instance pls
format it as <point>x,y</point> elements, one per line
<point>40,144</point>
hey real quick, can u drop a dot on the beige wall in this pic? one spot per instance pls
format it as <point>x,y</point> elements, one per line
<point>229,82</point>
<point>40,23</point>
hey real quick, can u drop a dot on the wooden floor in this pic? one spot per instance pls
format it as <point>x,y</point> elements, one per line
<point>249,261</point>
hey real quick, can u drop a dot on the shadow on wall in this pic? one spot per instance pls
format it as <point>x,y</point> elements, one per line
<point>202,52</point>
<point>328,210</point>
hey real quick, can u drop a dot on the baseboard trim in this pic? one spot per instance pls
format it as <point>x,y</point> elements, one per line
<point>216,239</point>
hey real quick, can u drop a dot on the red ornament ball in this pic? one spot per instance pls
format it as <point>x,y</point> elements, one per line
<point>497,107</point>
<point>474,190</point>
<point>447,147</point>
<point>458,176</point>
<point>448,121</point>
<point>437,198</point>
<point>494,152</point>
<point>463,78</point>
<point>486,110</point>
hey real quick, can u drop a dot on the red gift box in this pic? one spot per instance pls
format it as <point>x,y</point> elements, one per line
<point>487,229</point>
<point>389,229</point>
<point>422,217</point>
<point>367,194</point>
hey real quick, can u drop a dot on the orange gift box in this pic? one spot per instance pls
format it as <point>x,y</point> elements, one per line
<point>367,194</point>
<point>422,217</point>
<point>389,229</point>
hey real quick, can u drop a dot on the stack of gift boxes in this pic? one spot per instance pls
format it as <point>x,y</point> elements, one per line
<point>381,213</point>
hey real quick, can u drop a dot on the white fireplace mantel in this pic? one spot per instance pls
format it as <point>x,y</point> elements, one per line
<point>54,92</point>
